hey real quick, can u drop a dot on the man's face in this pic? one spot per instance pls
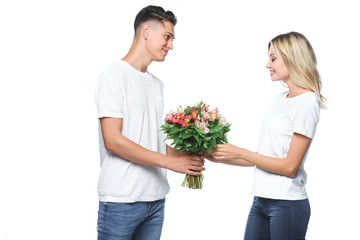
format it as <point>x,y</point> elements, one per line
<point>160,40</point>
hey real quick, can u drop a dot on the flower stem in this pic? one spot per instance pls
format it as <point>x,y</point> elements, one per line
<point>193,182</point>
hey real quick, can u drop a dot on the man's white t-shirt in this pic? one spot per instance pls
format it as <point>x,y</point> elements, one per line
<point>137,98</point>
<point>285,117</point>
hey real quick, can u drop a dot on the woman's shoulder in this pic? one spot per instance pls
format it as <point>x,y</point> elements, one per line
<point>308,98</point>
<point>308,104</point>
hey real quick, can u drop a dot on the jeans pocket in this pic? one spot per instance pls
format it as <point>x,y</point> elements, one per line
<point>101,216</point>
<point>305,206</point>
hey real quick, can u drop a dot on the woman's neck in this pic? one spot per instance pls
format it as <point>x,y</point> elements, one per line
<point>295,90</point>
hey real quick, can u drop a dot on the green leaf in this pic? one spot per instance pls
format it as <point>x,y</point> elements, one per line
<point>213,143</point>
<point>186,135</point>
<point>197,138</point>
<point>201,132</point>
<point>175,129</point>
<point>187,144</point>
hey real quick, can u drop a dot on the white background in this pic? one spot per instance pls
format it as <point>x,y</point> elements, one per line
<point>52,52</point>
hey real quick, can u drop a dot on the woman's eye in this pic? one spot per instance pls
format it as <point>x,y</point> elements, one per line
<point>273,59</point>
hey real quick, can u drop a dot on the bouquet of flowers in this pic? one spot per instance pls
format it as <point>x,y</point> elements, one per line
<point>194,130</point>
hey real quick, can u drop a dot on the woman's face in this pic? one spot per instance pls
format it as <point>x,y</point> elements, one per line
<point>276,65</point>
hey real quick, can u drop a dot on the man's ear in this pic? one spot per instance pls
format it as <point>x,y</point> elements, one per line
<point>145,31</point>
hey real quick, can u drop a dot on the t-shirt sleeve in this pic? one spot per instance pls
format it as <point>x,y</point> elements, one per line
<point>306,117</point>
<point>110,96</point>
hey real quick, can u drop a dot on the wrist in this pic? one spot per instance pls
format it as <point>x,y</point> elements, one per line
<point>167,160</point>
<point>171,151</point>
<point>243,153</point>
<point>163,161</point>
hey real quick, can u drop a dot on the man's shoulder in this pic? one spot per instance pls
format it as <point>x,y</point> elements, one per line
<point>115,72</point>
<point>115,68</point>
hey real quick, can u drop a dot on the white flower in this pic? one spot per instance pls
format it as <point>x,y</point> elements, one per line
<point>203,125</point>
<point>180,109</point>
<point>222,121</point>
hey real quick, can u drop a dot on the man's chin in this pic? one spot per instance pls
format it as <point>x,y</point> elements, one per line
<point>160,59</point>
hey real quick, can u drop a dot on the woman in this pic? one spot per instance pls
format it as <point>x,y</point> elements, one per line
<point>281,209</point>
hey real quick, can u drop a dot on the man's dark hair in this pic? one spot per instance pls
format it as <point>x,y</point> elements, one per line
<point>154,13</point>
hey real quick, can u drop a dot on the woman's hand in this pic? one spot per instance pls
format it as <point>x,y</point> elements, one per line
<point>228,154</point>
<point>225,152</point>
<point>211,158</point>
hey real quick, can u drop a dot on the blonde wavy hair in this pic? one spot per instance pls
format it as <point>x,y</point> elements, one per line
<point>300,61</point>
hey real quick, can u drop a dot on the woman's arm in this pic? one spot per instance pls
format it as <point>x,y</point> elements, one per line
<point>236,162</point>
<point>285,166</point>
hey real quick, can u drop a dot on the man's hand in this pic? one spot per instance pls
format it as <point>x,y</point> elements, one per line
<point>188,164</point>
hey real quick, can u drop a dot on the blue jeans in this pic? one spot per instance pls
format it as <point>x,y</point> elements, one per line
<point>277,219</point>
<point>130,221</point>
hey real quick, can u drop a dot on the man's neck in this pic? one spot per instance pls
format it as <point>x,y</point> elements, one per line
<point>137,58</point>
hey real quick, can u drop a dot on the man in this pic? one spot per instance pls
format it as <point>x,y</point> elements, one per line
<point>132,183</point>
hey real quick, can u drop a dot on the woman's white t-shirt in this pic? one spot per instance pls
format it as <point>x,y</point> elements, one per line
<point>285,117</point>
<point>137,98</point>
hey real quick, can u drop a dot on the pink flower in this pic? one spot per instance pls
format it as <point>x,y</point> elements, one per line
<point>193,114</point>
<point>204,107</point>
<point>183,123</point>
<point>214,114</point>
<point>206,116</point>
<point>168,117</point>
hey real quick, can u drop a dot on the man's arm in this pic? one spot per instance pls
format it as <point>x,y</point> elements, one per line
<point>122,146</point>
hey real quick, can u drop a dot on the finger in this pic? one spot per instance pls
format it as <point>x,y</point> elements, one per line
<point>196,169</point>
<point>219,157</point>
<point>197,163</point>
<point>217,153</point>
<point>195,158</point>
<point>189,172</point>
<point>220,145</point>
<point>221,148</point>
